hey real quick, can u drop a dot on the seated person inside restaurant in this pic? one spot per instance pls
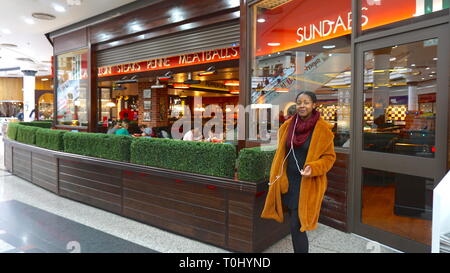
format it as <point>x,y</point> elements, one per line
<point>214,136</point>
<point>146,131</point>
<point>193,135</point>
<point>124,130</point>
<point>113,128</point>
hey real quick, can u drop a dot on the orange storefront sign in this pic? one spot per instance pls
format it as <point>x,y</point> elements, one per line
<point>203,57</point>
<point>303,22</point>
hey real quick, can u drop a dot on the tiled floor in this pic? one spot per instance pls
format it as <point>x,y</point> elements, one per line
<point>322,240</point>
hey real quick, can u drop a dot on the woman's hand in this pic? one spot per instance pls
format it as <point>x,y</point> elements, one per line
<point>306,171</point>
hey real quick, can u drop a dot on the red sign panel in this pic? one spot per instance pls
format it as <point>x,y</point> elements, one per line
<point>303,22</point>
<point>210,56</point>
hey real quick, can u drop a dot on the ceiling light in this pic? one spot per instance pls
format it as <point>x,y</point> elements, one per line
<point>235,92</point>
<point>427,68</point>
<point>43,16</point>
<point>59,8</point>
<point>190,80</point>
<point>181,85</point>
<point>110,104</point>
<point>413,64</point>
<point>157,85</point>
<point>232,83</point>
<point>74,2</point>
<point>6,31</point>
<point>273,44</point>
<point>435,59</point>
<point>210,71</point>
<point>392,59</point>
<point>8,45</point>
<point>136,27</point>
<point>44,79</point>
<point>261,20</point>
<point>29,21</point>
<point>25,60</point>
<point>328,46</point>
<point>166,77</point>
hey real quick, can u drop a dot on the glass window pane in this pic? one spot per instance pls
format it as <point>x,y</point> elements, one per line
<point>387,14</point>
<point>72,89</point>
<point>295,51</point>
<point>400,99</point>
<point>398,203</point>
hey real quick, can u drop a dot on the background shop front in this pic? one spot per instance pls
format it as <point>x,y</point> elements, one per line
<point>380,70</point>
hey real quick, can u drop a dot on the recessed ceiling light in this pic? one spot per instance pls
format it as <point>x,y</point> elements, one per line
<point>435,59</point>
<point>136,27</point>
<point>427,68</point>
<point>6,31</point>
<point>328,46</point>
<point>59,8</point>
<point>29,21</point>
<point>44,79</point>
<point>43,16</point>
<point>392,59</point>
<point>74,2</point>
<point>261,20</point>
<point>413,65</point>
<point>25,60</point>
<point>8,45</point>
<point>273,44</point>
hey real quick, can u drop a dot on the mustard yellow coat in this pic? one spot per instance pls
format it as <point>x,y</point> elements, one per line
<point>320,158</point>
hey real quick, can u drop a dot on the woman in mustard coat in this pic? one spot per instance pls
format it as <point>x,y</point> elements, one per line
<point>298,178</point>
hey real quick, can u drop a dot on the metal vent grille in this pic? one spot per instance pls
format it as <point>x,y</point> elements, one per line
<point>216,37</point>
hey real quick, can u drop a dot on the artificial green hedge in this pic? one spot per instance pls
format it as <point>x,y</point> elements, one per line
<point>13,127</point>
<point>189,156</point>
<point>212,159</point>
<point>98,145</point>
<point>50,139</point>
<point>254,163</point>
<point>40,124</point>
<point>27,134</point>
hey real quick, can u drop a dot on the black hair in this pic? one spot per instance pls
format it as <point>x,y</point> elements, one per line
<point>309,94</point>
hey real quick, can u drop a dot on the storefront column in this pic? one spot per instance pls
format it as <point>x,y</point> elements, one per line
<point>29,85</point>
<point>413,99</point>
<point>380,97</point>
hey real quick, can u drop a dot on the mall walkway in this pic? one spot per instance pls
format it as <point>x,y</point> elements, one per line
<point>35,220</point>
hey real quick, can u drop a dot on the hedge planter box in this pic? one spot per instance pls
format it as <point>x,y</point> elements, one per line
<point>220,211</point>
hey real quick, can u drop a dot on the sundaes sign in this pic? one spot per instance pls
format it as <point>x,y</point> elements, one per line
<point>302,22</point>
<point>204,57</point>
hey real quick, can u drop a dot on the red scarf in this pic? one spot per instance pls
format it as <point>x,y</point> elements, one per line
<point>302,130</point>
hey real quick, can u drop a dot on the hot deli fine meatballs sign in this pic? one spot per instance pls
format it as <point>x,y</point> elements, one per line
<point>210,56</point>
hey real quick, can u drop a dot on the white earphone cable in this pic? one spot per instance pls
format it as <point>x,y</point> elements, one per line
<point>287,155</point>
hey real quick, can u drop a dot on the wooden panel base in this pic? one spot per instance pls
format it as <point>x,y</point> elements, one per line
<point>218,211</point>
<point>45,171</point>
<point>91,184</point>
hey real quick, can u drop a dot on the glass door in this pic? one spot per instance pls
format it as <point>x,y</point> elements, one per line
<point>400,148</point>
